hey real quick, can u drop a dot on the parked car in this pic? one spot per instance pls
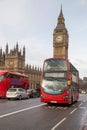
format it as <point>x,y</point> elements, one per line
<point>32,93</point>
<point>16,93</point>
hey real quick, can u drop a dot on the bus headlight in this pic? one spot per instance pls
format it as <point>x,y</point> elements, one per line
<point>42,96</point>
<point>65,97</point>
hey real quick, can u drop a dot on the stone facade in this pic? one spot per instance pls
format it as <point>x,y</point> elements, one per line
<point>14,60</point>
<point>34,76</point>
<point>60,38</point>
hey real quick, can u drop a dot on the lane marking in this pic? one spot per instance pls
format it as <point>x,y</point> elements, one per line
<point>73,111</point>
<point>84,101</point>
<point>80,104</point>
<point>15,112</point>
<point>57,108</point>
<point>58,124</point>
<point>83,107</point>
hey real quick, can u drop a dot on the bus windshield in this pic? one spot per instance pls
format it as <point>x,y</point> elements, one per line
<point>2,77</point>
<point>54,86</point>
<point>55,65</point>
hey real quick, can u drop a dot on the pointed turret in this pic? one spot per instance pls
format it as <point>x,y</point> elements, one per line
<point>24,51</point>
<point>0,52</point>
<point>17,48</point>
<point>6,48</point>
<point>61,21</point>
<point>61,14</point>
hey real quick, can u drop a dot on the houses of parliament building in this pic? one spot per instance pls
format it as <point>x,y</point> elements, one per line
<point>14,60</point>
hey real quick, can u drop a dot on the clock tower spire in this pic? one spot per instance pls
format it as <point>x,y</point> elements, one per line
<point>60,38</point>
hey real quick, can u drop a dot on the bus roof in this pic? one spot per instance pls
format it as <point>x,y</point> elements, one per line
<point>3,71</point>
<point>16,73</point>
<point>57,58</point>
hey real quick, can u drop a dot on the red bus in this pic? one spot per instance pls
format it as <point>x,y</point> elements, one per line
<point>12,79</point>
<point>60,82</point>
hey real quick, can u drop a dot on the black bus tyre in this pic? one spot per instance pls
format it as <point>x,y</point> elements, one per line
<point>71,101</point>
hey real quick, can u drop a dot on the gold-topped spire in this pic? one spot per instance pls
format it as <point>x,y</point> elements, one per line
<point>61,14</point>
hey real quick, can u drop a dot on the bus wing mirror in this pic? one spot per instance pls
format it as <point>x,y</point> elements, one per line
<point>69,82</point>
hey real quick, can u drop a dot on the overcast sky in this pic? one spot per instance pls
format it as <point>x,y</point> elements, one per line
<point>31,23</point>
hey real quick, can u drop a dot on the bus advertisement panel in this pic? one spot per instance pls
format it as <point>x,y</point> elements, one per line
<point>12,79</point>
<point>60,82</point>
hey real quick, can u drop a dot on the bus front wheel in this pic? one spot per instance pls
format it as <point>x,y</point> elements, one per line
<point>71,101</point>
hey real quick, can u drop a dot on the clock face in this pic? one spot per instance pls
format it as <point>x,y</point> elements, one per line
<point>59,38</point>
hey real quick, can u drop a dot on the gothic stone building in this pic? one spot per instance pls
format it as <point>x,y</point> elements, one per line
<point>14,60</point>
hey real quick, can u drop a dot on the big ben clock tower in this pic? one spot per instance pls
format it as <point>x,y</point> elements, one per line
<point>60,38</point>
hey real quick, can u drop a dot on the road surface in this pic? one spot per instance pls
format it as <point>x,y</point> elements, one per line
<point>31,114</point>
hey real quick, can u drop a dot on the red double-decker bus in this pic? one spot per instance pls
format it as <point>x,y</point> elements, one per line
<point>12,79</point>
<point>60,82</point>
